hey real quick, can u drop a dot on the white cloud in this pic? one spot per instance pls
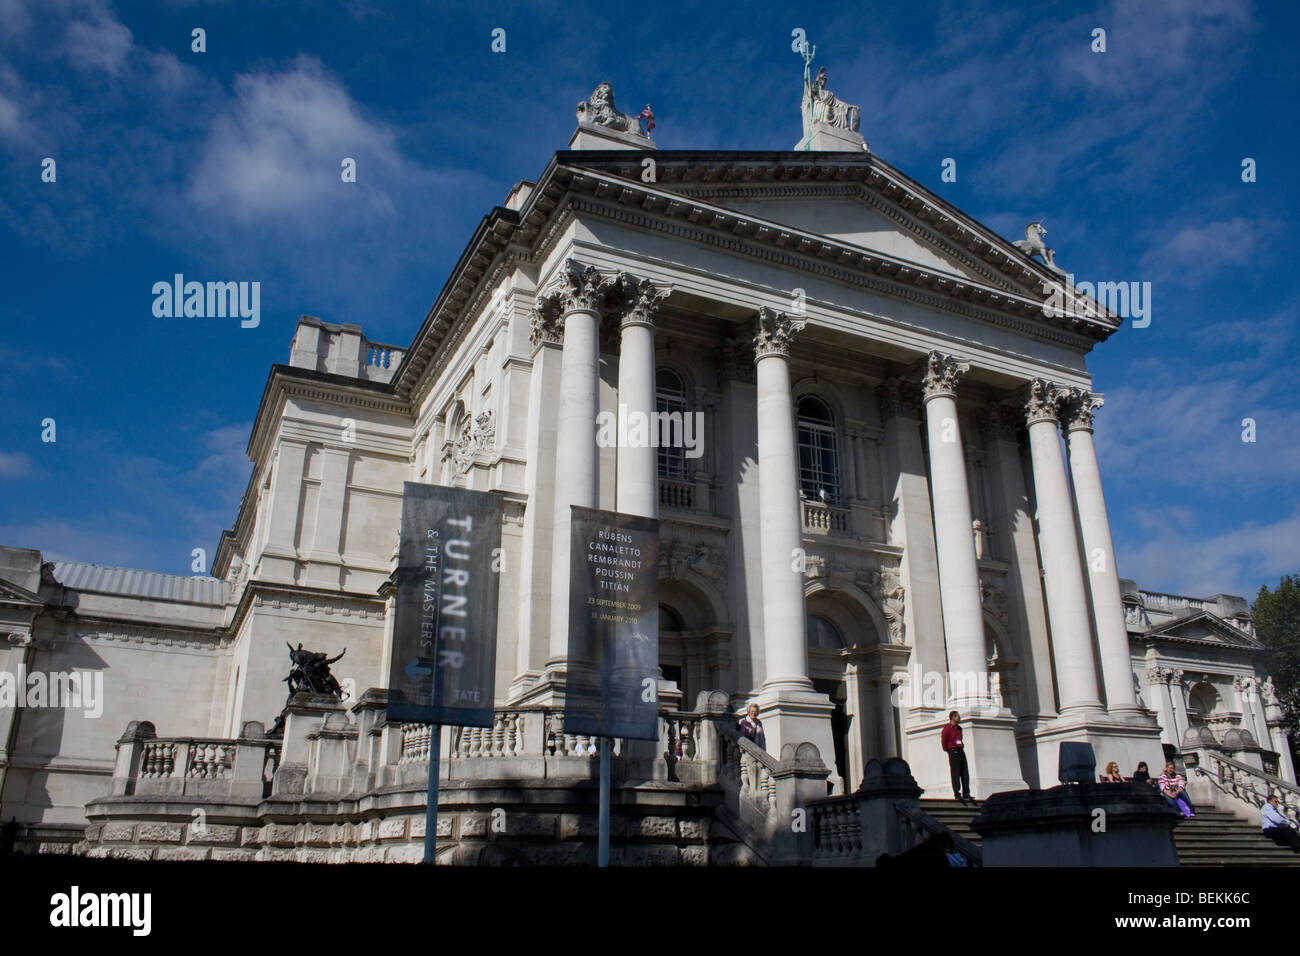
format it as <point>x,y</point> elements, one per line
<point>1175,557</point>
<point>14,465</point>
<point>277,150</point>
<point>98,43</point>
<point>1195,253</point>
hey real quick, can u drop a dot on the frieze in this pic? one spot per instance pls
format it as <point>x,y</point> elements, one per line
<point>708,561</point>
<point>477,436</point>
<point>994,601</point>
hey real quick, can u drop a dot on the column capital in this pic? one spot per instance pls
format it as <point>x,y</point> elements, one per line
<point>942,372</point>
<point>1079,406</point>
<point>546,325</point>
<point>899,398</point>
<point>638,298</point>
<point>1043,402</point>
<point>576,287</point>
<point>773,333</point>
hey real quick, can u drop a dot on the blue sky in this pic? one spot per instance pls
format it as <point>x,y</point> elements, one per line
<point>225,165</point>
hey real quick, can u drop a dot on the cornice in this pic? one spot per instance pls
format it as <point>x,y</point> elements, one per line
<point>506,237</point>
<point>908,203</point>
<point>850,265</point>
<point>97,629</point>
<point>294,597</point>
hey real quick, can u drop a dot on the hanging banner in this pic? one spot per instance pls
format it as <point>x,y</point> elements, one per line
<point>443,658</point>
<point>612,687</point>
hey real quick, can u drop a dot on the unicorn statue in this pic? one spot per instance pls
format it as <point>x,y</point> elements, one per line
<point>1033,245</point>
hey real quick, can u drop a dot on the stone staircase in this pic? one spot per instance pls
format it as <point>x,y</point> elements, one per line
<point>1211,838</point>
<point>1219,838</point>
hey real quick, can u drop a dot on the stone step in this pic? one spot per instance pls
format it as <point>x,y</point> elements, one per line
<point>1212,838</point>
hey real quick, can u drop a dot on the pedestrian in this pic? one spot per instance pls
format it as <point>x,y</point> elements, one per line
<point>956,750</point>
<point>751,727</point>
<point>1276,826</point>
<point>1174,788</point>
<point>1142,774</point>
<point>1112,773</point>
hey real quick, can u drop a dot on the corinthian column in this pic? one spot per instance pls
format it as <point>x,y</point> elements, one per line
<point>1067,603</point>
<point>780,532</point>
<point>572,304</point>
<point>959,585</point>
<point>638,471</point>
<point>1099,553</point>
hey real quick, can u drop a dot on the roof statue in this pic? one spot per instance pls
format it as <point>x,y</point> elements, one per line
<point>599,110</point>
<point>828,121</point>
<point>1033,245</point>
<point>602,126</point>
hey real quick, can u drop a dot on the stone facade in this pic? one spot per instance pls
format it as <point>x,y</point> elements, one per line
<point>856,546</point>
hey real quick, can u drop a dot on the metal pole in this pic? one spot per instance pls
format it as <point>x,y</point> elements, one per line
<point>431,807</point>
<point>603,828</point>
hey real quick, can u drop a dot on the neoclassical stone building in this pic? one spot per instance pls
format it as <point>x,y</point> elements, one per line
<point>894,509</point>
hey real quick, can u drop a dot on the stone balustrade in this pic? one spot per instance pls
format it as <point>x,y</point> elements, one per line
<point>1243,789</point>
<point>825,519</point>
<point>882,817</point>
<point>149,764</point>
<point>342,350</point>
<point>368,778</point>
<point>679,495</point>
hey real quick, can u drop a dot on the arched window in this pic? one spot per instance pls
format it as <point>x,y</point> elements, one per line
<point>1202,702</point>
<point>819,465</point>
<point>670,398</point>
<point>823,634</point>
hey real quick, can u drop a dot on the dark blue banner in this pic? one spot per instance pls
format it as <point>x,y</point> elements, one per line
<point>612,687</point>
<point>443,661</point>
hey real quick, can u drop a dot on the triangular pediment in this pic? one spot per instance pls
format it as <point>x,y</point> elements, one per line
<point>1204,627</point>
<point>851,221</point>
<point>11,593</point>
<point>846,215</point>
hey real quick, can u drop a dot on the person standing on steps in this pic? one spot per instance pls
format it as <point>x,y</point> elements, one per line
<point>956,750</point>
<point>752,727</point>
